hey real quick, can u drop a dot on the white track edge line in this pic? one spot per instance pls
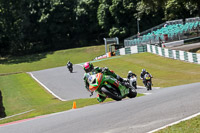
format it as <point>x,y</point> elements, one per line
<point>45,87</point>
<point>171,124</point>
<point>17,114</point>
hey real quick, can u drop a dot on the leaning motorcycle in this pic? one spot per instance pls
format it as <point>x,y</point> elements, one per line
<point>133,81</point>
<point>108,86</point>
<point>148,81</point>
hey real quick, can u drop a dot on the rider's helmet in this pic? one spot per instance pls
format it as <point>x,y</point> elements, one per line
<point>144,71</point>
<point>68,62</point>
<point>129,72</point>
<point>88,67</point>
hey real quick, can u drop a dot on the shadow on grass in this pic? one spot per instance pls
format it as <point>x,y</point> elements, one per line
<point>2,109</point>
<point>24,59</point>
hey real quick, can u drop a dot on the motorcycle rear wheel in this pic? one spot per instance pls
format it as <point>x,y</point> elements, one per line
<point>111,95</point>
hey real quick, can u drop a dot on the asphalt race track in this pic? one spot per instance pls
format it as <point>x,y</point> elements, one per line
<point>69,86</point>
<point>137,115</point>
<point>62,83</point>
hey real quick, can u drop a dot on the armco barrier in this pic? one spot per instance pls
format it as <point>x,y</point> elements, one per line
<point>131,50</point>
<point>174,54</point>
<point>172,44</point>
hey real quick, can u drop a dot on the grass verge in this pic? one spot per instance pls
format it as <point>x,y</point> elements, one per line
<point>189,126</point>
<point>49,60</point>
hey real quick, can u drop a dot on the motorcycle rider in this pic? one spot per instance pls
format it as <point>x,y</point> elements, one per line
<point>90,69</point>
<point>142,76</point>
<point>69,65</point>
<point>131,74</point>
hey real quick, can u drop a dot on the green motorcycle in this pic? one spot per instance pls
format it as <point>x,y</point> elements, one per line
<point>108,86</point>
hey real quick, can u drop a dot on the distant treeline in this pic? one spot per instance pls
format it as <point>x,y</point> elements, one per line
<point>30,26</point>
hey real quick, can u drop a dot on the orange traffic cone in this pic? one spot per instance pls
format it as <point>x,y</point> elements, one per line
<point>74,105</point>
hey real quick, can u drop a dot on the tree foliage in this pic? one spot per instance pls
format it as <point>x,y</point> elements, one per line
<point>86,22</point>
<point>29,26</point>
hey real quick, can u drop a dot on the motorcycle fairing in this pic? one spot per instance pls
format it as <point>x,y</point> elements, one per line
<point>95,81</point>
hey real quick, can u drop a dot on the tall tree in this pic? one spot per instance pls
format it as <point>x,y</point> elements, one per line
<point>58,26</point>
<point>10,22</point>
<point>117,17</point>
<point>104,15</point>
<point>87,27</point>
<point>20,24</point>
<point>195,3</point>
<point>35,13</point>
<point>175,9</point>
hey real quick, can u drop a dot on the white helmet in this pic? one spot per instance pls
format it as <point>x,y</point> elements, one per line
<point>143,70</point>
<point>129,72</point>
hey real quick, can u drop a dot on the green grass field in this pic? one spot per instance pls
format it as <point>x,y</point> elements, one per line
<point>49,60</point>
<point>21,93</point>
<point>189,126</point>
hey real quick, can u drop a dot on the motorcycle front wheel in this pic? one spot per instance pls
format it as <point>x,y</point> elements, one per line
<point>132,93</point>
<point>149,86</point>
<point>134,85</point>
<point>70,69</point>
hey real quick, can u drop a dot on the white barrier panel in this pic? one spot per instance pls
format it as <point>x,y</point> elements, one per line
<point>160,51</point>
<point>182,55</point>
<point>134,49</point>
<point>198,58</point>
<point>174,54</point>
<point>166,53</point>
<point>148,48</point>
<point>190,58</point>
<point>122,51</point>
